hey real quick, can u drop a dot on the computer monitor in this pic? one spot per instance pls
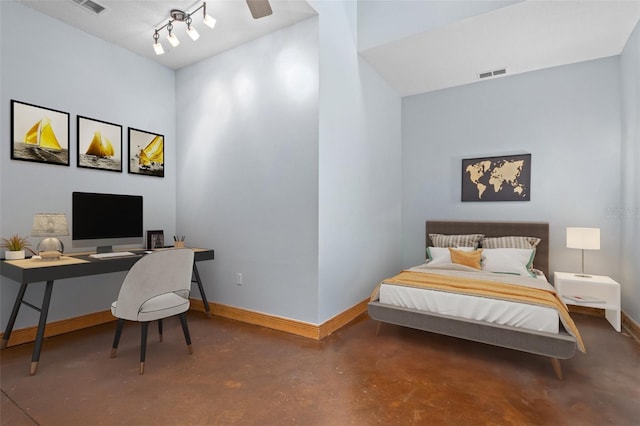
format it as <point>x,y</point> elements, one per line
<point>105,220</point>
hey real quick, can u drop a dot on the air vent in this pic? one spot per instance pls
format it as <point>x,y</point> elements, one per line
<point>91,6</point>
<point>494,73</point>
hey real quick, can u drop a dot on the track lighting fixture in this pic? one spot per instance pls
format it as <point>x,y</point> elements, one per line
<point>181,16</point>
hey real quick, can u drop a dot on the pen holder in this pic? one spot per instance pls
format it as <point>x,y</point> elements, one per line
<point>178,244</point>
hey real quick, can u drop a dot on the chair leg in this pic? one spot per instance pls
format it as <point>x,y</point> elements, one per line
<point>116,339</point>
<point>160,328</point>
<point>185,330</point>
<point>143,345</point>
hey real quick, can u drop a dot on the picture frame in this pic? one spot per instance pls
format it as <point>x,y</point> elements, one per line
<point>502,178</point>
<point>155,239</point>
<point>39,134</point>
<point>99,144</point>
<point>146,153</point>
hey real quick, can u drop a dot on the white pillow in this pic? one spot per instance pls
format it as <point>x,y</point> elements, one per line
<point>441,255</point>
<point>509,261</point>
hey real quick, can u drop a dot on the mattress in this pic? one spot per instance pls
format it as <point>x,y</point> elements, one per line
<point>496,311</point>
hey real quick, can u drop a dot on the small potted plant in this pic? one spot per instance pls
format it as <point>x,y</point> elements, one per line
<point>15,246</point>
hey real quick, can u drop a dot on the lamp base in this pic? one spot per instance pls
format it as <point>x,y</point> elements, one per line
<point>50,244</point>
<point>583,275</point>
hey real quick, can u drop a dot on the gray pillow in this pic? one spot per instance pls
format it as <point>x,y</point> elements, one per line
<point>465,240</point>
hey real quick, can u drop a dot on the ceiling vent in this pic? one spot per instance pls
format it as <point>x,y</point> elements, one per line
<point>494,73</point>
<point>91,6</point>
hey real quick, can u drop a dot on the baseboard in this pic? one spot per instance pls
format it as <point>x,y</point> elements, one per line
<point>26,335</point>
<point>631,326</point>
<point>300,328</point>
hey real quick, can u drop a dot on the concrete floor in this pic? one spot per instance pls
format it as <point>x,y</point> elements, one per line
<point>241,374</point>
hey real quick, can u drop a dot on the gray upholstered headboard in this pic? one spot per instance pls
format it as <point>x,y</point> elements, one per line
<point>499,229</point>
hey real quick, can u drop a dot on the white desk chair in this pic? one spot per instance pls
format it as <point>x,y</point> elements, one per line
<point>156,287</point>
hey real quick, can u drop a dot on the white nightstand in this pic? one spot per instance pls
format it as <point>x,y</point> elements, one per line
<point>603,289</point>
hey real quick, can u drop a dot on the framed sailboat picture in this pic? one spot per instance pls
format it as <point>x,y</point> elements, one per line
<point>146,153</point>
<point>39,134</point>
<point>99,144</point>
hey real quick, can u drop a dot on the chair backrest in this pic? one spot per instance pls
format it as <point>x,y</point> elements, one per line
<point>157,273</point>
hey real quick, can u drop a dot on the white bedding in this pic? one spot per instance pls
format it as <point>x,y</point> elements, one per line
<point>472,307</point>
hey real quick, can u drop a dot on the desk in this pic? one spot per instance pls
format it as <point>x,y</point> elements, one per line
<point>71,266</point>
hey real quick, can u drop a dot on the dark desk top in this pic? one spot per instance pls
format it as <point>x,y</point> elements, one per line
<point>76,265</point>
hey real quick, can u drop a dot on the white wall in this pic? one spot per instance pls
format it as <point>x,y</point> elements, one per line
<point>247,122</point>
<point>567,117</point>
<point>629,212</point>
<point>47,63</point>
<point>359,176</point>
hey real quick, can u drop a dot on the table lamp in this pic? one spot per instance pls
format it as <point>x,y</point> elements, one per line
<point>584,239</point>
<point>50,226</point>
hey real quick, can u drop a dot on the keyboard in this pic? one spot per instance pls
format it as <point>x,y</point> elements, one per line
<point>112,254</point>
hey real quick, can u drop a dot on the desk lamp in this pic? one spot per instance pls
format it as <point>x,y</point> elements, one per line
<point>584,239</point>
<point>50,226</point>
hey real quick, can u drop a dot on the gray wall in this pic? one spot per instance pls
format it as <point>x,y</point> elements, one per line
<point>568,118</point>
<point>359,174</point>
<point>285,154</point>
<point>252,162</point>
<point>296,189</point>
<point>629,213</point>
<point>41,64</point>
<point>248,181</point>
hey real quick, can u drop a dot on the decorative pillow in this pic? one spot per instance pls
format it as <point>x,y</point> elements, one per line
<point>467,258</point>
<point>467,240</point>
<point>441,255</point>
<point>510,242</point>
<point>509,261</point>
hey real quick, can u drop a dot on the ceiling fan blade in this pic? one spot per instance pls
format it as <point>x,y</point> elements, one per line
<point>259,8</point>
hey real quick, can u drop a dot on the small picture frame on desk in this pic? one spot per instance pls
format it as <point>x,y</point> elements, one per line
<point>155,239</point>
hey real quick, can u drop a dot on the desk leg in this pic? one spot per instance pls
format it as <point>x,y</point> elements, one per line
<point>35,358</point>
<point>14,315</point>
<point>204,296</point>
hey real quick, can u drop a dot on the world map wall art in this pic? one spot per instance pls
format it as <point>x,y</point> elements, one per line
<point>506,178</point>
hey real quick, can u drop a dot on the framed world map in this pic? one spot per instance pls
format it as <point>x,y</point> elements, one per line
<point>506,178</point>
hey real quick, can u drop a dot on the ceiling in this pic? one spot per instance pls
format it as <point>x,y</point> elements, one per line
<point>521,37</point>
<point>131,23</point>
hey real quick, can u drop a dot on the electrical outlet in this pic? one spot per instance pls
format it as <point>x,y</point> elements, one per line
<point>239,278</point>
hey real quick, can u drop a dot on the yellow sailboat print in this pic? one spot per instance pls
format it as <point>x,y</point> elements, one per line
<point>152,153</point>
<point>100,146</point>
<point>41,134</point>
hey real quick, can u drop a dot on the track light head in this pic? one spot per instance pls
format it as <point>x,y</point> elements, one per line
<point>157,47</point>
<point>177,15</point>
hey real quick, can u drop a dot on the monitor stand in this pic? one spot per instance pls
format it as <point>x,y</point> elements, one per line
<point>104,249</point>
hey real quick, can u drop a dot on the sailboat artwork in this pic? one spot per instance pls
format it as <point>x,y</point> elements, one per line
<point>146,153</point>
<point>152,153</point>
<point>39,134</point>
<point>42,135</point>
<point>99,144</point>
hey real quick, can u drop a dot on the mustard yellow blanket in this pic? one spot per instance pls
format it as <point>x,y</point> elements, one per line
<point>486,288</point>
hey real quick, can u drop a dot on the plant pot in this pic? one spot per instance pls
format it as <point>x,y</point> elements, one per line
<point>14,255</point>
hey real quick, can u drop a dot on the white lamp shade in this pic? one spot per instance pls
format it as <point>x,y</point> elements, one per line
<point>583,238</point>
<point>157,47</point>
<point>173,40</point>
<point>49,225</point>
<point>209,21</point>
<point>193,33</point>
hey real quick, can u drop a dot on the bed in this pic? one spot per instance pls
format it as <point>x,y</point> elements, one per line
<point>557,344</point>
